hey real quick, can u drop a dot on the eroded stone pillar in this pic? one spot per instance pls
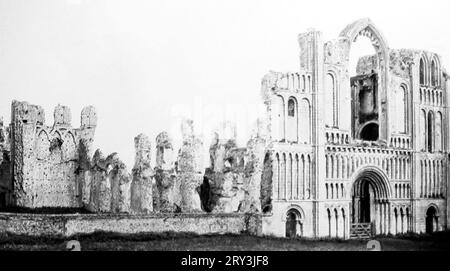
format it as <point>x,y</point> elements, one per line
<point>167,185</point>
<point>190,170</point>
<point>142,184</point>
<point>254,157</point>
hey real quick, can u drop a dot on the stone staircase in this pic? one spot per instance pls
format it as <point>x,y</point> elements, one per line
<point>361,231</point>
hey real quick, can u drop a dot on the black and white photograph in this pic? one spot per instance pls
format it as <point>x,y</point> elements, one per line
<point>224,126</point>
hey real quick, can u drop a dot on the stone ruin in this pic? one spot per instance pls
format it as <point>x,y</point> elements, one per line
<point>55,166</point>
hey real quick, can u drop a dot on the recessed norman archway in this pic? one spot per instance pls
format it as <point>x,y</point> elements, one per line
<point>369,209</point>
<point>432,219</point>
<point>293,219</point>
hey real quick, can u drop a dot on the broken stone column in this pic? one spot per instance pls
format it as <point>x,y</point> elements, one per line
<point>141,186</point>
<point>190,169</point>
<point>167,187</point>
<point>120,181</point>
<point>99,186</point>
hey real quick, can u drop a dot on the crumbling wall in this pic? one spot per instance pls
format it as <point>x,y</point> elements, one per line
<point>235,173</point>
<point>53,168</point>
<point>46,159</point>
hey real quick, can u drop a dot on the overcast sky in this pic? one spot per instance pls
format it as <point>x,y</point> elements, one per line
<point>143,63</point>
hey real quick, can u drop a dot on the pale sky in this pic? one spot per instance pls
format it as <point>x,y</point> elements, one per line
<point>142,63</point>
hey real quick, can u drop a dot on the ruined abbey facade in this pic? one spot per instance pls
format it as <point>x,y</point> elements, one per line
<point>336,155</point>
<point>353,155</point>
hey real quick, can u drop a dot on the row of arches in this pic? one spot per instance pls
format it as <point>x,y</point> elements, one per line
<point>431,131</point>
<point>335,191</point>
<point>292,176</point>
<point>342,166</point>
<point>431,97</point>
<point>56,146</point>
<point>336,223</point>
<point>288,118</point>
<point>400,142</point>
<point>432,178</point>
<point>296,82</point>
<point>402,191</point>
<point>429,73</point>
<point>337,137</point>
<point>402,220</point>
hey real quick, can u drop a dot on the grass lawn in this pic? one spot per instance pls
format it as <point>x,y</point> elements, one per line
<point>177,241</point>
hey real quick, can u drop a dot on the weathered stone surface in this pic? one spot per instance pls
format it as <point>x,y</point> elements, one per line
<point>88,117</point>
<point>109,185</point>
<point>62,115</point>
<point>256,149</point>
<point>224,191</point>
<point>164,152</point>
<point>45,166</point>
<point>168,191</point>
<point>142,184</point>
<point>70,225</point>
<point>190,169</point>
<point>167,186</point>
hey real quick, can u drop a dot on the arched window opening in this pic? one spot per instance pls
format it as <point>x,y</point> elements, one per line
<point>292,121</point>
<point>365,68</point>
<point>401,109</point>
<point>438,141</point>
<point>422,72</point>
<point>278,118</point>
<point>433,73</point>
<point>305,119</point>
<point>291,108</point>
<point>423,130</point>
<point>430,131</point>
<point>331,101</point>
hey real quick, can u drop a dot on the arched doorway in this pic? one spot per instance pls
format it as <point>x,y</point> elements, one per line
<point>431,220</point>
<point>370,204</point>
<point>294,225</point>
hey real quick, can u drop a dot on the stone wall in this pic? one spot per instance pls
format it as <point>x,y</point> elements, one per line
<point>68,225</point>
<point>46,159</point>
